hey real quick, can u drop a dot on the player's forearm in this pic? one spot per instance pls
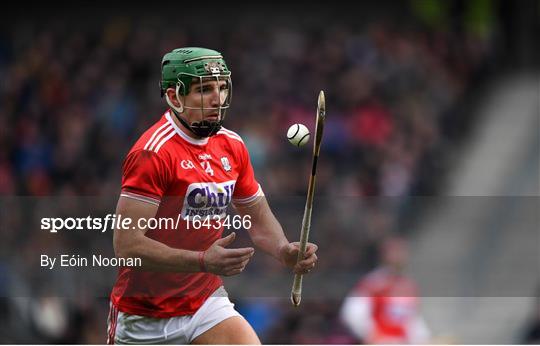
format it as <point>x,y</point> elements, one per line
<point>265,232</point>
<point>269,237</point>
<point>156,256</point>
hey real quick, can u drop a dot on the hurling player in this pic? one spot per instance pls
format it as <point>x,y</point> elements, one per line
<point>384,306</point>
<point>188,164</point>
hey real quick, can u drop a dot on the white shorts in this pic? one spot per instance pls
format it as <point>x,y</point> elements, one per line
<point>135,329</point>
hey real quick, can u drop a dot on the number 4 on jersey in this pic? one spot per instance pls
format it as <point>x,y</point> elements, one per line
<point>207,168</point>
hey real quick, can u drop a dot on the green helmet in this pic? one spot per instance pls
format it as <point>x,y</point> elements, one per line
<point>184,64</point>
<point>180,68</point>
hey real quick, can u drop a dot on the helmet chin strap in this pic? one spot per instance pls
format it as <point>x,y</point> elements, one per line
<point>201,129</point>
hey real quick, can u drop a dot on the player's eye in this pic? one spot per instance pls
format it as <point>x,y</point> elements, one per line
<point>203,89</point>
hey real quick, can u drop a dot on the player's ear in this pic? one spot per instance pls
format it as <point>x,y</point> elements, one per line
<point>171,95</point>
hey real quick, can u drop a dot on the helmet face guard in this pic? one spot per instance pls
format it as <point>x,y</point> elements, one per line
<point>205,128</point>
<point>198,69</point>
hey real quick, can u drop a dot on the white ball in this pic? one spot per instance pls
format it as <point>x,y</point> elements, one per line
<point>298,134</point>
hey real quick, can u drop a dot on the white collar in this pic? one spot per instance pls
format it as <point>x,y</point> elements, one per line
<point>182,134</point>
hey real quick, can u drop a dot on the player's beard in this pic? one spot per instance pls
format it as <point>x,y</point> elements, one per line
<point>206,128</point>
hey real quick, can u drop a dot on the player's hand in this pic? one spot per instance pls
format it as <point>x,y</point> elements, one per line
<point>289,254</point>
<point>227,262</point>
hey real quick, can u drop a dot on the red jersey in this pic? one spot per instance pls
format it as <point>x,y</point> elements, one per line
<point>395,303</point>
<point>189,177</point>
<point>384,309</point>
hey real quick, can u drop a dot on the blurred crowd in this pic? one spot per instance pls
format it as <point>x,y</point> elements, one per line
<point>74,98</point>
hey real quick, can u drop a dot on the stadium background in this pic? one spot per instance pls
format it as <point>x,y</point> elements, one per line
<point>406,83</point>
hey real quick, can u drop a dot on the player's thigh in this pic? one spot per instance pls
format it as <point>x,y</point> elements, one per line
<point>233,330</point>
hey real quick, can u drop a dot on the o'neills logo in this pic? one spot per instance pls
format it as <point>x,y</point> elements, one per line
<point>208,199</point>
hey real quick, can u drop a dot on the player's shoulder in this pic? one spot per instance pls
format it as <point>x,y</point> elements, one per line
<point>229,136</point>
<point>155,138</point>
<point>373,280</point>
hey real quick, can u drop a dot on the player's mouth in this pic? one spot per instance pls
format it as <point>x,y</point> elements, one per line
<point>212,117</point>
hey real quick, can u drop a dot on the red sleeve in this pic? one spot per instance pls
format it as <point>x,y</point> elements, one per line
<point>145,176</point>
<point>247,188</point>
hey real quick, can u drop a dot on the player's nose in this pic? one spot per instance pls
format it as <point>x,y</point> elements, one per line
<point>214,98</point>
